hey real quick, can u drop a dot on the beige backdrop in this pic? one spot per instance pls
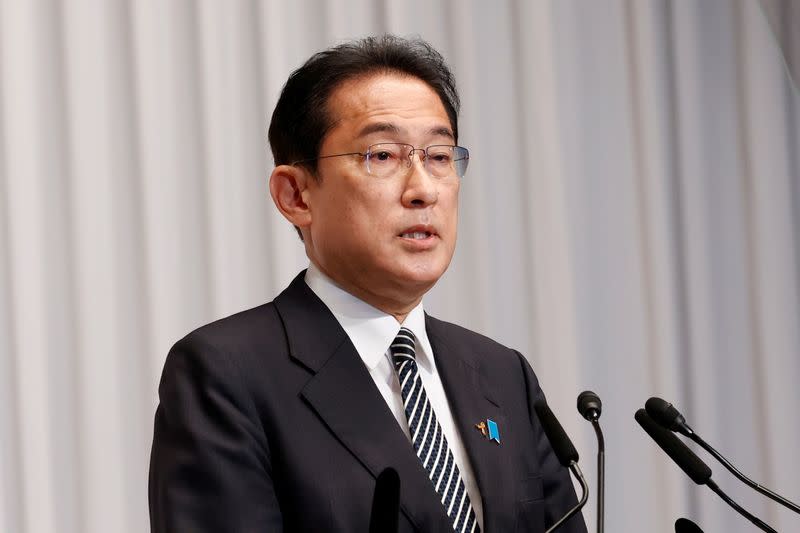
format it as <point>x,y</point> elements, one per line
<point>629,221</point>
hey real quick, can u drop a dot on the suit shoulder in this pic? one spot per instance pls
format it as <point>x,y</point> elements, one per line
<point>455,333</point>
<point>241,331</point>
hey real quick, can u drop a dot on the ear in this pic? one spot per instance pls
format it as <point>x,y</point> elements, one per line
<point>288,186</point>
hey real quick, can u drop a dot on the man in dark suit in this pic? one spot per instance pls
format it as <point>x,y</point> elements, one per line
<point>280,418</point>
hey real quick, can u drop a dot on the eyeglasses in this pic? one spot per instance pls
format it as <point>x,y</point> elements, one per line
<point>385,160</point>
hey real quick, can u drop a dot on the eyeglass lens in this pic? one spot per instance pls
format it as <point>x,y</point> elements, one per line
<point>441,161</point>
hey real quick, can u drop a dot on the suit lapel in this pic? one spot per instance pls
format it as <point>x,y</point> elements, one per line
<point>471,402</point>
<point>344,396</point>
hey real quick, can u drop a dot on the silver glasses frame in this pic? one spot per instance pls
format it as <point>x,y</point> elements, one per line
<point>460,162</point>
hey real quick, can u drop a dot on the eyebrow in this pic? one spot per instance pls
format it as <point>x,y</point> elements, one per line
<point>441,131</point>
<point>378,127</point>
<point>388,127</point>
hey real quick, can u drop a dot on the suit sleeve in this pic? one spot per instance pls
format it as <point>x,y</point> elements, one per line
<point>559,492</point>
<point>210,466</point>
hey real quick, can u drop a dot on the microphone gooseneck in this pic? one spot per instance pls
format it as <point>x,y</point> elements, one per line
<point>590,407</point>
<point>692,465</point>
<point>669,417</point>
<point>565,452</point>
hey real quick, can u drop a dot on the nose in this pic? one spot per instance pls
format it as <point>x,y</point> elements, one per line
<point>421,189</point>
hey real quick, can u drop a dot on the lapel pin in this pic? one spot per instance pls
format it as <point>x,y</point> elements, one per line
<point>494,431</point>
<point>489,429</point>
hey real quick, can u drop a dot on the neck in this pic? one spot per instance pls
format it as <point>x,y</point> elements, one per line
<point>398,307</point>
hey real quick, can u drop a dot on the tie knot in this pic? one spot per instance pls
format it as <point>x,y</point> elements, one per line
<point>403,347</point>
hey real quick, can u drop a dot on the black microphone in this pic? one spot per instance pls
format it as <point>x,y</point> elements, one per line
<point>385,502</point>
<point>590,407</point>
<point>565,452</point>
<point>665,414</point>
<point>684,525</point>
<point>685,458</point>
<point>692,465</point>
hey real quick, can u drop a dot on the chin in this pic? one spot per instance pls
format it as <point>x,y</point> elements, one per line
<point>422,274</point>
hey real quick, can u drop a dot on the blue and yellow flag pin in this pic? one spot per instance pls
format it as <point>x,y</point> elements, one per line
<point>489,429</point>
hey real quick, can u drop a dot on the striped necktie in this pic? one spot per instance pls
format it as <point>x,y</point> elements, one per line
<point>428,438</point>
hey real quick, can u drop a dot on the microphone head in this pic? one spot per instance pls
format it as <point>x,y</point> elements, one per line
<point>694,467</point>
<point>664,413</point>
<point>562,446</point>
<point>684,525</point>
<point>385,502</point>
<point>589,405</point>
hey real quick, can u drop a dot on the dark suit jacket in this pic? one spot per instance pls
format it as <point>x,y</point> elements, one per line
<point>269,421</point>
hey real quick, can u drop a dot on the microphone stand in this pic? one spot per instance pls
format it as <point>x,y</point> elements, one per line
<point>590,407</point>
<point>692,465</point>
<point>601,475</point>
<point>671,419</point>
<point>565,453</point>
<point>760,524</point>
<point>687,431</point>
<point>576,471</point>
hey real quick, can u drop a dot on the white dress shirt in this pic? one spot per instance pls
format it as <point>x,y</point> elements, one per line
<point>372,332</point>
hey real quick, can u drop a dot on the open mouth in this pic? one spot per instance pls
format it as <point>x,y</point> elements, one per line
<point>418,235</point>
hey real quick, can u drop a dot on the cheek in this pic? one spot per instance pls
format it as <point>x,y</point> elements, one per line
<point>360,218</point>
<point>373,209</point>
<point>449,202</point>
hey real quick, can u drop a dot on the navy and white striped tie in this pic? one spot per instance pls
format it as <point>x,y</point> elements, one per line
<point>428,438</point>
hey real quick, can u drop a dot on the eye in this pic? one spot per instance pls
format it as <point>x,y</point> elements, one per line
<point>382,155</point>
<point>440,156</point>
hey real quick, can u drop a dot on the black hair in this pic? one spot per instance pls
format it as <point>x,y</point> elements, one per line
<point>301,120</point>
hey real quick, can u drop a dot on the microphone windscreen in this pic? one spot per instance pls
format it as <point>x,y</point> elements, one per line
<point>683,525</point>
<point>664,413</point>
<point>694,467</point>
<point>385,502</point>
<point>588,402</point>
<point>562,446</point>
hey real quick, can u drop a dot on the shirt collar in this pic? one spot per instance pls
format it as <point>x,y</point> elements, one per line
<point>370,329</point>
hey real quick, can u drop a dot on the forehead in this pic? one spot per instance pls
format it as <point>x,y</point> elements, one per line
<point>388,101</point>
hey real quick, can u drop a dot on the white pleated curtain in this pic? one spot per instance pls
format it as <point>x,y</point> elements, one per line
<point>629,221</point>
